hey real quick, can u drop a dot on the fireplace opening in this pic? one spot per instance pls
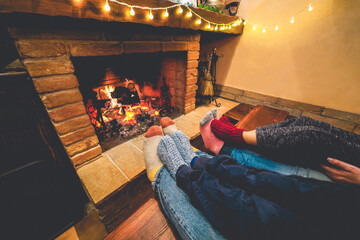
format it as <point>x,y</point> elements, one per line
<point>124,95</point>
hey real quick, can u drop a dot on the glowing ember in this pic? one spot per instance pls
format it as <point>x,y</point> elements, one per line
<point>117,117</point>
<point>124,108</point>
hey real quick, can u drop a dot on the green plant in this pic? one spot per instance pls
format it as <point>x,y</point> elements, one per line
<point>210,8</point>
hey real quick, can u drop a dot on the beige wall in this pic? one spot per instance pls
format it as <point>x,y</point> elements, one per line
<point>316,60</point>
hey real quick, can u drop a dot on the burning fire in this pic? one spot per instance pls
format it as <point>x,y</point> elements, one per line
<point>123,114</point>
<point>108,91</point>
<point>126,108</point>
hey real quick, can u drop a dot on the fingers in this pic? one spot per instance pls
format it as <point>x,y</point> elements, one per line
<point>335,174</point>
<point>348,173</point>
<point>341,164</point>
<point>333,171</point>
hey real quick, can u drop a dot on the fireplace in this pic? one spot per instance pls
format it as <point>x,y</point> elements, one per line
<point>80,66</point>
<point>56,51</point>
<point>124,95</point>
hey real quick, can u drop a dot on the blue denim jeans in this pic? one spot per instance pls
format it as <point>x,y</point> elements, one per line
<point>252,159</point>
<point>189,221</point>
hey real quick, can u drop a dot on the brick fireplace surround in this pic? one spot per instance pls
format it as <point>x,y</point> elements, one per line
<point>46,52</point>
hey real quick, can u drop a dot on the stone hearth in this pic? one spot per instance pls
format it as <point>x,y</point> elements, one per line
<point>119,173</point>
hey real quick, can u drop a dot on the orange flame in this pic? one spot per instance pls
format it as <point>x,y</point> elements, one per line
<point>126,114</point>
<point>108,91</point>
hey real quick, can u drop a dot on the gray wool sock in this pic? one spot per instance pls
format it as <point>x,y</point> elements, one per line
<point>169,155</point>
<point>207,118</point>
<point>183,145</point>
<point>214,112</point>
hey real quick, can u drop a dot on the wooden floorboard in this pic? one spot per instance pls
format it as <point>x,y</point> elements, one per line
<point>238,112</point>
<point>260,116</point>
<point>148,222</point>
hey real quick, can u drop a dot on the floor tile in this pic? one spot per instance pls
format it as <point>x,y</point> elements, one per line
<point>101,178</point>
<point>128,157</point>
<point>138,141</point>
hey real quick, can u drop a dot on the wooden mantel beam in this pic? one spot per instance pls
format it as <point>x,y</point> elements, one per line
<point>93,9</point>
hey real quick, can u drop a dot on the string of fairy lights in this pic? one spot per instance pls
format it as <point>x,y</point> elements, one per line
<point>276,27</point>
<point>181,9</point>
<point>209,25</point>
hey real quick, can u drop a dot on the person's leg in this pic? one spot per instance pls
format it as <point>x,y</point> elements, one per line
<point>170,155</point>
<point>309,145</point>
<point>183,145</point>
<point>299,141</point>
<point>181,140</point>
<point>216,210</point>
<point>168,126</point>
<point>255,160</point>
<point>235,197</point>
<point>226,132</point>
<point>306,121</point>
<point>152,160</point>
<point>189,221</point>
<point>211,142</point>
<point>250,137</point>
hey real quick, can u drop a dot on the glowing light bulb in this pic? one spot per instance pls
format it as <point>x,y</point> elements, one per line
<point>254,27</point>
<point>235,24</point>
<point>107,6</point>
<point>132,12</point>
<point>244,22</point>
<point>310,8</point>
<point>166,14</point>
<point>229,26</point>
<point>240,21</point>
<point>264,30</point>
<point>209,26</point>
<point>222,28</point>
<point>199,21</point>
<point>189,14</point>
<point>276,27</point>
<point>216,27</point>
<point>77,2</point>
<point>180,10</point>
<point>151,17</point>
<point>292,20</point>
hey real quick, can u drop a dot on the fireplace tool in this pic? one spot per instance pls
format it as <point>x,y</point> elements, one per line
<point>208,79</point>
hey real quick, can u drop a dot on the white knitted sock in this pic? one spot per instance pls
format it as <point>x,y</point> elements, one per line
<point>168,126</point>
<point>152,160</point>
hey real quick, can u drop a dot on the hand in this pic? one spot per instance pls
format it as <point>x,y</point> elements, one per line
<point>348,172</point>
